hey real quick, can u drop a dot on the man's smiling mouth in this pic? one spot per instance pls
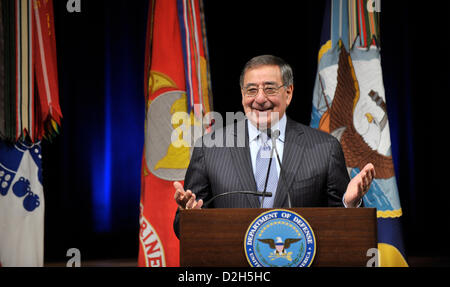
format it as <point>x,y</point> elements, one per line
<point>263,109</point>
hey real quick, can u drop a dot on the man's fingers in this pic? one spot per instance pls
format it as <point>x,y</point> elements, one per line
<point>179,191</point>
<point>361,188</point>
<point>370,169</point>
<point>190,203</point>
<point>188,195</point>
<point>178,195</point>
<point>366,180</point>
<point>185,199</point>
<point>368,174</point>
<point>177,185</point>
<point>369,166</point>
<point>199,204</point>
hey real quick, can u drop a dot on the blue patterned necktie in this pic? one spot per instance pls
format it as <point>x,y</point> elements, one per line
<point>262,164</point>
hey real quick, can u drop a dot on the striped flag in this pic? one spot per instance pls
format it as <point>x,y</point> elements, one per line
<point>177,93</point>
<point>193,35</point>
<point>349,103</point>
<point>30,98</point>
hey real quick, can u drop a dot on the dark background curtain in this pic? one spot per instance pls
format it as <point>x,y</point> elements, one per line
<point>92,169</point>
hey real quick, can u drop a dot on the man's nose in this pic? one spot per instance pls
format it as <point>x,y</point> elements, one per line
<point>260,97</point>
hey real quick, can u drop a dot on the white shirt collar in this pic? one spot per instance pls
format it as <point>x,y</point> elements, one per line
<point>253,131</point>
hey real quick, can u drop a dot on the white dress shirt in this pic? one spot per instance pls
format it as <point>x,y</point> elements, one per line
<point>253,134</point>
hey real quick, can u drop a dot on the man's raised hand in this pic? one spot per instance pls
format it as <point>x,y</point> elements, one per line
<point>185,199</point>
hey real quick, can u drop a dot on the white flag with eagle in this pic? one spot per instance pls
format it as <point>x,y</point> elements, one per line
<point>349,102</point>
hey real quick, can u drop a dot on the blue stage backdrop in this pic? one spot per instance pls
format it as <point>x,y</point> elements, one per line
<point>92,169</point>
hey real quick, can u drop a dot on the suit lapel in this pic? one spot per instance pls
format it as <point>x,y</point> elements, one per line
<point>243,166</point>
<point>292,158</point>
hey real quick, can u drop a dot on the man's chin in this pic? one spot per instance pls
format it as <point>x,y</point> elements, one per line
<point>263,119</point>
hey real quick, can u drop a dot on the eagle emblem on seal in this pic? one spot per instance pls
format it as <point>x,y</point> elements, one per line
<point>279,246</point>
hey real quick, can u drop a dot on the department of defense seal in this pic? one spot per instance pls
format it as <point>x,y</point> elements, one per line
<point>280,238</point>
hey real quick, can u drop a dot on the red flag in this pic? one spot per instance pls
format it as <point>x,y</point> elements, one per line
<point>167,116</point>
<point>49,117</point>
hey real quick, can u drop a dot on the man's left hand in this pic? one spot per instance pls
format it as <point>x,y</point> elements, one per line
<point>359,186</point>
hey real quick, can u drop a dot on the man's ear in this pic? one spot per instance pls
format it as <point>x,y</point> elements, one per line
<point>289,94</point>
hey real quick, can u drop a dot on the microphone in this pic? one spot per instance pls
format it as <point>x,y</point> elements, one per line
<point>268,132</point>
<point>275,135</point>
<point>256,193</point>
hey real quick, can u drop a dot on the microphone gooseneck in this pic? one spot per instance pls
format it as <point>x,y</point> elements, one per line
<point>255,193</point>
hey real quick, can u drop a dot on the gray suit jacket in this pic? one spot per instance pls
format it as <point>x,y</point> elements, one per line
<point>313,170</point>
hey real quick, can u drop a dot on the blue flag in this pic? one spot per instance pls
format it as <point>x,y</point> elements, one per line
<point>349,103</point>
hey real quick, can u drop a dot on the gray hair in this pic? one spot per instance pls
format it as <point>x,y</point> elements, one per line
<point>269,60</point>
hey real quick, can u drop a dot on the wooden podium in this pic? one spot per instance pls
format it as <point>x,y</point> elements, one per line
<point>215,237</point>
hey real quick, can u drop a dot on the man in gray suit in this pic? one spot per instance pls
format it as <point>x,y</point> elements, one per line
<point>312,172</point>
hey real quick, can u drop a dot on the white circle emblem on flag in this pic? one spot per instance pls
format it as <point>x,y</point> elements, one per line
<point>167,153</point>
